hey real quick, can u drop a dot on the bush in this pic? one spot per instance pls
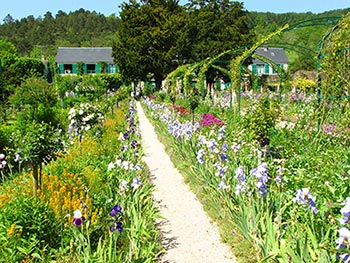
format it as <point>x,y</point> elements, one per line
<point>261,119</point>
<point>31,226</point>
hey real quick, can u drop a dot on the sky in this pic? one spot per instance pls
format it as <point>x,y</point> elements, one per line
<point>22,8</point>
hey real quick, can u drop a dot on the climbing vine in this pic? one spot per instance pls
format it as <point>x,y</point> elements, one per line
<point>236,63</point>
<point>335,66</point>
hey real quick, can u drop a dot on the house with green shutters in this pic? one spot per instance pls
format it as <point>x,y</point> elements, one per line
<point>268,57</point>
<point>85,60</point>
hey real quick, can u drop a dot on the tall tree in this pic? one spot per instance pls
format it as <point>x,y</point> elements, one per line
<point>149,39</point>
<point>217,26</point>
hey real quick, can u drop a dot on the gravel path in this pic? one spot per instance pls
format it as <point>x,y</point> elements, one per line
<point>189,236</point>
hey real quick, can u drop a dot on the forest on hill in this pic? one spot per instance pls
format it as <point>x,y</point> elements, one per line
<point>44,34</point>
<point>78,28</point>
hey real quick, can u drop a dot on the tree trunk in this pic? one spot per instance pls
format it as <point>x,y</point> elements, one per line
<point>35,178</point>
<point>40,174</point>
<point>62,100</point>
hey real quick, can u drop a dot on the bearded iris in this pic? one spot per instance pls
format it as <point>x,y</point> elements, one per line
<point>261,173</point>
<point>78,218</point>
<point>117,214</point>
<point>304,197</point>
<point>241,178</point>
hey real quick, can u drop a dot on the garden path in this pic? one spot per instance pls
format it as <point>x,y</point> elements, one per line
<point>188,234</point>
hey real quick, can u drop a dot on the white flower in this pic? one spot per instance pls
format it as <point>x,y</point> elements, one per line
<point>223,185</point>
<point>111,166</point>
<point>126,165</point>
<point>135,183</point>
<point>123,185</point>
<point>118,162</point>
<point>77,214</point>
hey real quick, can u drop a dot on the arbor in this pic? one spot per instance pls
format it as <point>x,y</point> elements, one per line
<point>150,40</point>
<point>217,26</point>
<point>336,62</point>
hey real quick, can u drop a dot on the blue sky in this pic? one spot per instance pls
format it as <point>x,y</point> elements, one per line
<point>23,8</point>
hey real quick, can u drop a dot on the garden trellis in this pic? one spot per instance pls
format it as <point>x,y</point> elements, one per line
<point>238,71</point>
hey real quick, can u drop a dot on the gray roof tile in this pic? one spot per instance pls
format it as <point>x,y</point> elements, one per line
<point>71,55</point>
<point>277,55</point>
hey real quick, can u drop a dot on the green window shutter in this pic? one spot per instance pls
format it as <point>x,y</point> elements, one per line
<point>267,68</point>
<point>84,69</point>
<point>60,68</point>
<point>254,69</point>
<point>116,69</point>
<point>97,68</point>
<point>75,69</point>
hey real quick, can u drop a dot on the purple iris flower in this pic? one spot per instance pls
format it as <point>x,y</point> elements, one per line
<point>116,210</point>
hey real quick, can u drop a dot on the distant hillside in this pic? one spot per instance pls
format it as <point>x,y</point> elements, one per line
<point>78,28</point>
<point>267,22</point>
<point>305,37</point>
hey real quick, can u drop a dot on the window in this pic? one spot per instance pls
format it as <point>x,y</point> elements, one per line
<point>91,68</point>
<point>112,69</point>
<point>67,68</point>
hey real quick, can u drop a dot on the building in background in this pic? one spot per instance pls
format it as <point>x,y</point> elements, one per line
<point>85,60</point>
<point>272,56</point>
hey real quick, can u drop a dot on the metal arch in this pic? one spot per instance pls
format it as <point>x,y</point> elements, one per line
<point>291,47</point>
<point>322,21</point>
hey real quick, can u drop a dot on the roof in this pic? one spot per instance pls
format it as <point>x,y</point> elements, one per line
<point>70,55</point>
<point>277,55</point>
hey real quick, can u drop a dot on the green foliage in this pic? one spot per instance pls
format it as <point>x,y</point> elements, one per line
<point>304,84</point>
<point>67,84</point>
<point>154,45</point>
<point>21,69</point>
<point>5,131</point>
<point>34,218</point>
<point>80,68</point>
<point>112,81</point>
<point>7,47</point>
<point>217,26</point>
<point>36,98</point>
<point>260,119</point>
<point>335,64</point>
<point>38,143</point>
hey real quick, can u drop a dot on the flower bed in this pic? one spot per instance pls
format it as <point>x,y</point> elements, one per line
<point>94,205</point>
<point>285,197</point>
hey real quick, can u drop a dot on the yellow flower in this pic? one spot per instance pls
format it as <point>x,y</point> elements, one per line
<point>19,232</point>
<point>11,231</point>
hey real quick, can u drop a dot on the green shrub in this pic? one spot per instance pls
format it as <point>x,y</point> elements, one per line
<point>260,120</point>
<point>31,226</point>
